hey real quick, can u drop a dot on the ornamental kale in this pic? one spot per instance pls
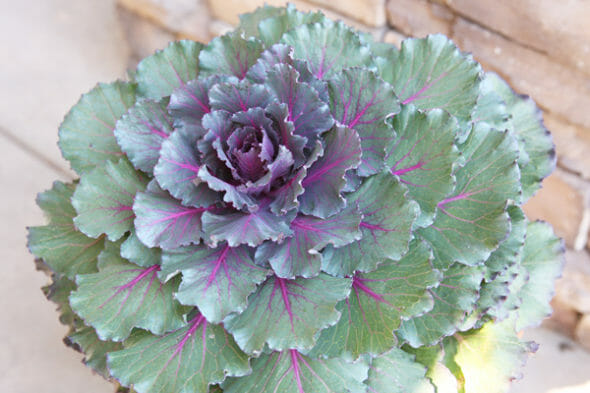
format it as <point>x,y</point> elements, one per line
<point>296,208</point>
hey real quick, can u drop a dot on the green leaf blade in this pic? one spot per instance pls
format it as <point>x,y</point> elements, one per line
<point>472,221</point>
<point>158,75</point>
<point>288,313</point>
<point>432,73</point>
<point>86,136</point>
<point>61,246</point>
<point>122,296</point>
<point>104,200</point>
<point>186,360</point>
<point>397,372</point>
<point>216,280</point>
<point>292,372</point>
<point>378,302</point>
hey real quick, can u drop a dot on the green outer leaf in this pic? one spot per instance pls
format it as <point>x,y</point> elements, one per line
<point>501,269</point>
<point>377,303</point>
<point>162,221</point>
<point>491,108</point>
<point>230,54</point>
<point>490,358</point>
<point>432,73</point>
<point>86,136</point>
<point>543,258</point>
<point>61,246</point>
<point>292,372</point>
<point>534,140</point>
<point>141,131</point>
<point>135,251</point>
<point>335,46</point>
<point>158,75</point>
<point>246,228</point>
<point>454,298</point>
<point>299,255</point>
<point>122,296</point>
<point>361,100</point>
<point>59,292</point>
<point>249,21</point>
<point>472,221</point>
<point>186,360</point>
<point>325,177</point>
<point>388,215</point>
<point>216,280</point>
<point>94,349</point>
<point>422,155</point>
<point>288,313</point>
<point>104,200</point>
<point>397,372</point>
<point>272,29</point>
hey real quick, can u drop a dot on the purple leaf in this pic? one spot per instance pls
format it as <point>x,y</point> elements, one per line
<point>361,100</point>
<point>164,222</point>
<point>178,168</point>
<point>231,194</point>
<point>216,280</point>
<point>299,255</point>
<point>310,115</point>
<point>283,54</point>
<point>246,228</point>
<point>236,97</point>
<point>141,131</point>
<point>285,129</point>
<point>325,178</point>
<point>190,102</point>
<point>285,197</point>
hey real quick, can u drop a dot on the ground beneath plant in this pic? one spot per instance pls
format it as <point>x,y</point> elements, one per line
<point>51,51</point>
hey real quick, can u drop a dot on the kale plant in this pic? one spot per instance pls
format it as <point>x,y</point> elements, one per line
<point>297,208</point>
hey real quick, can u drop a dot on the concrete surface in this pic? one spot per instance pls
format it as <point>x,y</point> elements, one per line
<point>50,52</point>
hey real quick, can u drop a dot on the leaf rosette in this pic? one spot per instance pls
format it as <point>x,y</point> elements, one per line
<point>295,207</point>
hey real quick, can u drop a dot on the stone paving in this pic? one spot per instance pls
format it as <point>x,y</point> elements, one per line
<point>51,52</point>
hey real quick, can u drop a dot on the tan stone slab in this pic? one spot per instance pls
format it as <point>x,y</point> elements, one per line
<point>219,9</point>
<point>394,37</point>
<point>143,35</point>
<point>559,28</point>
<point>572,143</point>
<point>191,17</point>
<point>558,366</point>
<point>369,12</point>
<point>33,357</point>
<point>564,318</point>
<point>583,331</point>
<point>573,289</point>
<point>52,52</point>
<point>553,86</point>
<point>419,18</point>
<point>559,203</point>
